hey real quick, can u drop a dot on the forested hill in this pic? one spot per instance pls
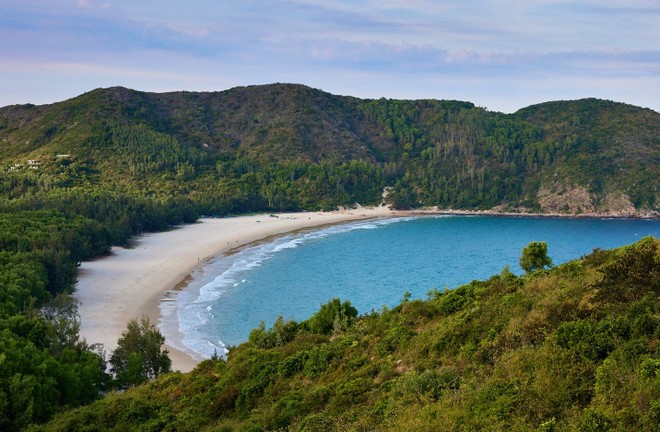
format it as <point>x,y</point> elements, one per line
<point>281,146</point>
<point>572,349</point>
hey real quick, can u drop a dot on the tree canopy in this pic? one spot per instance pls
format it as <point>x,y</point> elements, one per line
<point>535,257</point>
<point>139,355</point>
<point>289,147</point>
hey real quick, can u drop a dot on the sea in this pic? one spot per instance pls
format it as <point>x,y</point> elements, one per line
<point>372,264</point>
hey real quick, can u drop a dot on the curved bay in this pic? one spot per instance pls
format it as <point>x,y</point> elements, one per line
<point>373,264</point>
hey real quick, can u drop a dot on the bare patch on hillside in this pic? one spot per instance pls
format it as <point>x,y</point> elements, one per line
<point>617,203</point>
<point>565,199</point>
<point>560,198</point>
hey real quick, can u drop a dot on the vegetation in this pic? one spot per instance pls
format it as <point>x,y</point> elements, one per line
<point>85,174</point>
<point>289,147</point>
<point>573,348</point>
<point>139,357</point>
<point>44,367</point>
<point>535,257</point>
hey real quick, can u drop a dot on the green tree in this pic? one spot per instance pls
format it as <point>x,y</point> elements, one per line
<point>333,315</point>
<point>138,356</point>
<point>535,257</point>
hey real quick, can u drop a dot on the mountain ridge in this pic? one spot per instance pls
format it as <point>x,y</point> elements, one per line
<point>571,157</point>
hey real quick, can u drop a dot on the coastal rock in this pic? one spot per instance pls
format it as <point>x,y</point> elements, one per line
<point>617,203</point>
<point>565,199</point>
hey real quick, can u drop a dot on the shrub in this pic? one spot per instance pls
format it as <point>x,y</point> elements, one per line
<point>634,273</point>
<point>582,338</point>
<point>333,315</point>
<point>431,384</point>
<point>292,365</point>
<point>352,392</point>
<point>535,257</point>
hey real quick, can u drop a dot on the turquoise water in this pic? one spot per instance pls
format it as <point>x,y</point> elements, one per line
<point>372,264</point>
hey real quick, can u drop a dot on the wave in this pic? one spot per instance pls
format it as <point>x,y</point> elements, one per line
<point>233,295</point>
<point>195,307</point>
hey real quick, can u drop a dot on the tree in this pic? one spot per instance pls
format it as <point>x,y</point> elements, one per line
<point>333,315</point>
<point>138,356</point>
<point>535,257</point>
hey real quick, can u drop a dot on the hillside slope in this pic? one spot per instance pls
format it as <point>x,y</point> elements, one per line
<point>291,147</point>
<point>575,348</point>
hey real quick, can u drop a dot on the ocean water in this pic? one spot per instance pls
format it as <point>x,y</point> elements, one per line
<point>371,264</point>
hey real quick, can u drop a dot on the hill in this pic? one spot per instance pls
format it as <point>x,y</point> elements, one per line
<point>574,348</point>
<point>88,173</point>
<point>290,147</point>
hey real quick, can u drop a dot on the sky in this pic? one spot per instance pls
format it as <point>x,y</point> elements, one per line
<point>502,54</point>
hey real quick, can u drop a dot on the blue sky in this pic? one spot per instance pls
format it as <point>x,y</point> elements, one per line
<point>502,55</point>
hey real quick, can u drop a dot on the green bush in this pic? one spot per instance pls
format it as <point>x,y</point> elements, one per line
<point>352,392</point>
<point>584,339</point>
<point>333,315</point>
<point>292,365</point>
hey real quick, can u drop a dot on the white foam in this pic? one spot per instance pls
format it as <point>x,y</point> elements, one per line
<point>195,311</point>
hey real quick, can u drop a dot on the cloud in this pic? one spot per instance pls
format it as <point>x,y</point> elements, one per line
<point>368,47</point>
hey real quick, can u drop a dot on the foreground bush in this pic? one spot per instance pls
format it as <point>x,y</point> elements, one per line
<point>574,348</point>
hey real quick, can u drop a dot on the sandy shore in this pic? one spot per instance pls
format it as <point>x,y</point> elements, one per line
<point>131,282</point>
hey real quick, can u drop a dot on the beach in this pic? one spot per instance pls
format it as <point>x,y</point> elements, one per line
<point>131,282</point>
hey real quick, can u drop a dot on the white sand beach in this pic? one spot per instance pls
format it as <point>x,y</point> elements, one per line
<point>131,282</point>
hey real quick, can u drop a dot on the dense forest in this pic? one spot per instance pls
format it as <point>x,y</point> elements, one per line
<point>290,147</point>
<point>88,173</point>
<point>573,348</point>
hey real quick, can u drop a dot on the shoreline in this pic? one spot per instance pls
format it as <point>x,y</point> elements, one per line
<point>137,281</point>
<point>426,211</point>
<point>132,282</point>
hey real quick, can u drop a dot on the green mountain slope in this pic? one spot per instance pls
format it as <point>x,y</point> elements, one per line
<point>575,348</point>
<point>606,138</point>
<point>283,146</point>
<point>82,175</point>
